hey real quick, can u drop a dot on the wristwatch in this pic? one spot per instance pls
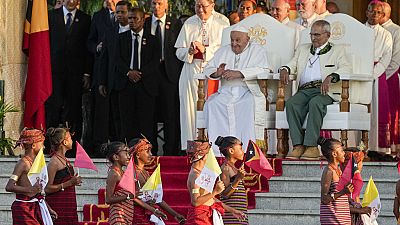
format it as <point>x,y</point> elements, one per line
<point>333,196</point>
<point>128,197</point>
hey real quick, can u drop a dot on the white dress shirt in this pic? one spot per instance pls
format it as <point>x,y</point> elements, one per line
<point>162,26</point>
<point>313,68</point>
<point>73,12</point>
<point>123,28</point>
<point>139,49</point>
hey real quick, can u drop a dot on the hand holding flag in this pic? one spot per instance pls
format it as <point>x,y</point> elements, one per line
<point>38,172</point>
<point>256,160</point>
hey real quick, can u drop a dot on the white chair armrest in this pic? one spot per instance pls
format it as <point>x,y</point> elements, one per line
<point>199,76</point>
<point>356,77</point>
<point>273,76</point>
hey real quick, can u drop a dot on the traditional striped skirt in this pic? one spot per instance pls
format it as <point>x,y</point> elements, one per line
<point>238,200</point>
<point>336,212</point>
<point>121,213</point>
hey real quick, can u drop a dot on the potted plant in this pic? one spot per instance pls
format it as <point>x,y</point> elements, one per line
<point>6,144</point>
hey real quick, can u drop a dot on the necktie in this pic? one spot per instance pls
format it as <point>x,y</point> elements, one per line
<point>135,62</point>
<point>69,21</point>
<point>112,17</point>
<point>304,23</point>
<point>158,35</point>
<point>204,33</point>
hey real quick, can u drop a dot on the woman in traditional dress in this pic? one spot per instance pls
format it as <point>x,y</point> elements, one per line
<point>120,200</point>
<point>141,153</point>
<point>234,194</point>
<point>206,209</point>
<point>60,189</point>
<point>334,207</point>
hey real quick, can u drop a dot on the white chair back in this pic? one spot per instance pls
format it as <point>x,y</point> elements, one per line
<point>277,38</point>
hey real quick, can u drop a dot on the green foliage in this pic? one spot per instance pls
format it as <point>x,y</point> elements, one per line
<point>4,109</point>
<point>6,144</point>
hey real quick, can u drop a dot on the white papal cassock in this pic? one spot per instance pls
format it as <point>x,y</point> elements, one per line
<point>382,55</point>
<point>190,32</point>
<point>238,108</point>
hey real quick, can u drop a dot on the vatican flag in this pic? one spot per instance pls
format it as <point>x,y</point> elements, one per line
<point>152,189</point>
<point>371,199</point>
<point>38,171</point>
<point>209,174</point>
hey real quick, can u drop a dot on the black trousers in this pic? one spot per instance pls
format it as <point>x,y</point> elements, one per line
<point>136,108</point>
<point>65,103</point>
<point>168,112</point>
<point>104,118</point>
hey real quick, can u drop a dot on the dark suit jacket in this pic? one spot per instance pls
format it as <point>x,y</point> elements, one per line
<point>68,49</point>
<point>173,65</point>
<point>108,74</point>
<point>100,24</point>
<point>149,61</point>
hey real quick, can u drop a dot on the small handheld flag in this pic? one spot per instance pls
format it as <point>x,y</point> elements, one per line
<point>351,174</point>
<point>127,181</point>
<point>256,160</point>
<point>82,160</point>
<point>209,174</point>
<point>152,189</point>
<point>38,171</point>
<point>372,199</point>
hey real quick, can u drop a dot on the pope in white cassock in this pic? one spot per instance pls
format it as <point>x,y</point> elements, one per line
<point>237,108</point>
<point>197,42</point>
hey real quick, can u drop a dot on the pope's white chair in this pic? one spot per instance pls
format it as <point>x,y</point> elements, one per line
<point>279,40</point>
<point>353,111</point>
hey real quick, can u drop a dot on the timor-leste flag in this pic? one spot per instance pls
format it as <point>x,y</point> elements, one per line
<point>36,45</point>
<point>256,160</point>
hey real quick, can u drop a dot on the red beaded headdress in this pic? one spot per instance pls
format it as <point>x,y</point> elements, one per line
<point>30,136</point>
<point>196,150</point>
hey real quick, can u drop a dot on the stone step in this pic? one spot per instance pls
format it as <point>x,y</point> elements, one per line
<point>313,169</point>
<point>305,201</point>
<point>299,217</point>
<point>312,185</point>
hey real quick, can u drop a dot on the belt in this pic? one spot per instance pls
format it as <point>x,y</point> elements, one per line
<point>311,84</point>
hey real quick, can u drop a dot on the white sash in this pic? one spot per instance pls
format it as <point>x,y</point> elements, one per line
<point>217,218</point>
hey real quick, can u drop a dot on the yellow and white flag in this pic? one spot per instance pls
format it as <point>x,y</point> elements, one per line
<point>38,171</point>
<point>371,199</point>
<point>209,174</point>
<point>152,189</point>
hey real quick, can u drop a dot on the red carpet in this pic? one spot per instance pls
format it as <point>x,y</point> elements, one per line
<point>174,171</point>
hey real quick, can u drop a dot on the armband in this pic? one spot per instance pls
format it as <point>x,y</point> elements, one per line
<point>14,177</point>
<point>233,188</point>
<point>195,191</point>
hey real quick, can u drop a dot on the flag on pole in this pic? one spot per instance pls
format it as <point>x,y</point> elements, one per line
<point>38,171</point>
<point>152,189</point>
<point>371,199</point>
<point>36,45</point>
<point>127,181</point>
<point>209,174</point>
<point>351,174</point>
<point>256,160</point>
<point>82,160</point>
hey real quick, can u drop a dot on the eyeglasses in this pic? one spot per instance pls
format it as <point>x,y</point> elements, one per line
<point>317,35</point>
<point>204,7</point>
<point>375,12</point>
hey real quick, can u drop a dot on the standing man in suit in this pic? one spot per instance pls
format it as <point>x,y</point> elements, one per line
<point>167,29</point>
<point>110,81</point>
<point>101,128</point>
<point>318,67</point>
<point>71,66</point>
<point>138,58</point>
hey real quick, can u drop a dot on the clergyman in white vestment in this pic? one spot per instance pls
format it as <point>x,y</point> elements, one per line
<point>237,108</point>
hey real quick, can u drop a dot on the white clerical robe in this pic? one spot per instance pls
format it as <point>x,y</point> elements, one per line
<point>382,56</point>
<point>394,30</point>
<point>190,32</point>
<point>238,108</point>
<point>323,15</point>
